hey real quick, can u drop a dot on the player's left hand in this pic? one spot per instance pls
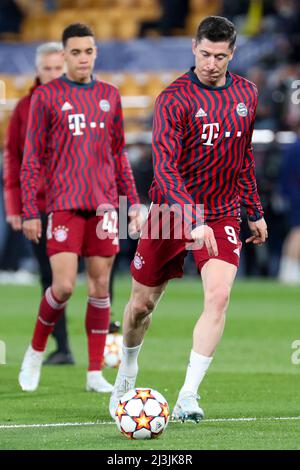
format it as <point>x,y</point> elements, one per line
<point>259,232</point>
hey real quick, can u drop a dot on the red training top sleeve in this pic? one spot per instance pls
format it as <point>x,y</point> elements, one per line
<point>12,159</point>
<point>35,148</point>
<point>247,180</point>
<point>124,177</point>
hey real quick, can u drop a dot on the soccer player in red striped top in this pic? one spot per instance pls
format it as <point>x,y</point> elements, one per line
<point>203,169</point>
<point>75,132</point>
<point>49,65</point>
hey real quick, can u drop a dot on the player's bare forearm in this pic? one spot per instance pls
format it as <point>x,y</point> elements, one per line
<point>259,232</point>
<point>32,229</point>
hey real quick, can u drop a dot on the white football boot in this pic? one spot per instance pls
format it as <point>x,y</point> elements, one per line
<point>187,408</point>
<point>30,372</point>
<point>122,385</point>
<point>95,382</point>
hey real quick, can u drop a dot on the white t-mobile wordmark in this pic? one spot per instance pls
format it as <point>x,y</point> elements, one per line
<point>77,122</point>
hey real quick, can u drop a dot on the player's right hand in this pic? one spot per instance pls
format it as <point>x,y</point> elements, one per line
<point>32,229</point>
<point>137,220</point>
<point>205,235</point>
<point>15,221</point>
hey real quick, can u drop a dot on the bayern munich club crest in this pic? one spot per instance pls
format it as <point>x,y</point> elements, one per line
<point>242,110</point>
<point>138,261</point>
<point>60,233</point>
<point>104,105</point>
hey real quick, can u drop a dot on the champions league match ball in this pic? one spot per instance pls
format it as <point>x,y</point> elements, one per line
<point>113,350</point>
<point>142,413</point>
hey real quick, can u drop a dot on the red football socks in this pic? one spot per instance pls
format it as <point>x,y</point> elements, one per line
<point>97,324</point>
<point>49,313</point>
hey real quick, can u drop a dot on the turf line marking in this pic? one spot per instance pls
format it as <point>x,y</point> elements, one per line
<point>52,425</point>
<point>267,418</point>
<point>99,423</point>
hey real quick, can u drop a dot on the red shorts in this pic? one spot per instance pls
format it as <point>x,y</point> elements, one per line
<point>226,231</point>
<point>83,233</point>
<point>158,260</point>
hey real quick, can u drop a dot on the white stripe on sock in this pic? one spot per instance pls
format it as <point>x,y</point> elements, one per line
<point>99,332</point>
<point>99,303</point>
<point>52,302</point>
<point>45,322</point>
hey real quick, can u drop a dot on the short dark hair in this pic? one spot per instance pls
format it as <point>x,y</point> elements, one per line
<point>76,30</point>
<point>217,29</point>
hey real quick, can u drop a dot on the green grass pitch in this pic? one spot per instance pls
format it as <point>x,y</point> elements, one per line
<point>252,375</point>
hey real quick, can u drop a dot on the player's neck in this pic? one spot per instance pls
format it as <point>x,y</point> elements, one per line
<point>216,84</point>
<point>81,81</point>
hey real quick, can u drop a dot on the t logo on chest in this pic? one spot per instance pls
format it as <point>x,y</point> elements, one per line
<point>76,123</point>
<point>210,132</point>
